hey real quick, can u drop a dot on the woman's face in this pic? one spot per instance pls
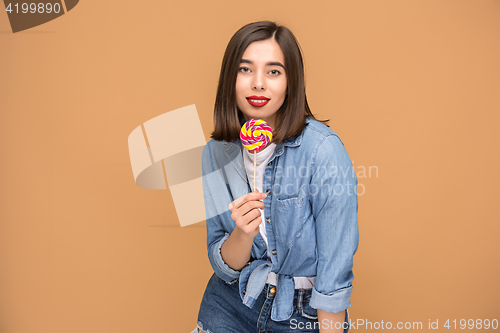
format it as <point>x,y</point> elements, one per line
<point>261,81</point>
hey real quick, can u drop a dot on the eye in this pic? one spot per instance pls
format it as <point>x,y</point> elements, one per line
<point>275,72</point>
<point>244,69</point>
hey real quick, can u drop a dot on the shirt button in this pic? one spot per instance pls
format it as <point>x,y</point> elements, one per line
<point>275,252</point>
<point>269,163</point>
<point>268,220</point>
<point>273,290</point>
<point>268,192</point>
<point>244,292</point>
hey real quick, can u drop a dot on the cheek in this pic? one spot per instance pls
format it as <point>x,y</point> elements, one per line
<point>240,84</point>
<point>281,89</point>
<point>240,93</point>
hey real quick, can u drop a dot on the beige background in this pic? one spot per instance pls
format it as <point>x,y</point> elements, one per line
<point>411,87</point>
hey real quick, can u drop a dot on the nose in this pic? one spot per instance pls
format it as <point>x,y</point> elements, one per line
<point>258,82</point>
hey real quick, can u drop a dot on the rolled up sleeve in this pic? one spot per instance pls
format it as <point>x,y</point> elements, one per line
<point>222,270</point>
<point>216,234</point>
<point>334,203</point>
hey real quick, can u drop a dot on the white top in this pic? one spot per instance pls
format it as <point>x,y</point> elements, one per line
<point>262,157</point>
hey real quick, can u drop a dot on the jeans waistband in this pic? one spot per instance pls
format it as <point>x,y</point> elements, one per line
<point>303,293</point>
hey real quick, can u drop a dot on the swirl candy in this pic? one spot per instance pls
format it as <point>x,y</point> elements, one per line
<point>255,135</point>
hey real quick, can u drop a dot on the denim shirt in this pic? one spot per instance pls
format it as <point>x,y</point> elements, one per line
<point>311,218</point>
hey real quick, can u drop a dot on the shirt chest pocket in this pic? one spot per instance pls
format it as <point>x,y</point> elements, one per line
<point>289,220</point>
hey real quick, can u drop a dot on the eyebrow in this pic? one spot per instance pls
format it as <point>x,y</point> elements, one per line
<point>271,63</point>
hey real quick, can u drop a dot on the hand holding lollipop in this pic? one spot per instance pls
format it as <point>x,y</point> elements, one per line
<point>255,135</point>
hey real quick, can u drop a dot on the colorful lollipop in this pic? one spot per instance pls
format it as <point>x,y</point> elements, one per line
<point>255,135</point>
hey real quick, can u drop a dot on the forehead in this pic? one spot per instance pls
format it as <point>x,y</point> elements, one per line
<point>263,51</point>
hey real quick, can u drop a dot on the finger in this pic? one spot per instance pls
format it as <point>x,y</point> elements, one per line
<point>255,223</point>
<point>244,217</point>
<point>246,198</point>
<point>237,203</point>
<point>251,206</point>
<point>248,218</point>
<point>250,223</point>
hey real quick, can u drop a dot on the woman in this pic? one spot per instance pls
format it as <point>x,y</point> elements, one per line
<point>282,254</point>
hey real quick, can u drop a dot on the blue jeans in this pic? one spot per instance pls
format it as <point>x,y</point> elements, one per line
<point>222,311</point>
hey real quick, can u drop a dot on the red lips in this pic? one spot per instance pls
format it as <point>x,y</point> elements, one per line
<point>257,101</point>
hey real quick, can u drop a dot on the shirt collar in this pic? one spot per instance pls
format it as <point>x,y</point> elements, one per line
<point>233,150</point>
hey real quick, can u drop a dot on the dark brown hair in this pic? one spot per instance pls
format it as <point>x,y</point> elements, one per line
<point>290,118</point>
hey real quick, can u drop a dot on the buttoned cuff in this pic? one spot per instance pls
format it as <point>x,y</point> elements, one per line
<point>222,270</point>
<point>335,302</point>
